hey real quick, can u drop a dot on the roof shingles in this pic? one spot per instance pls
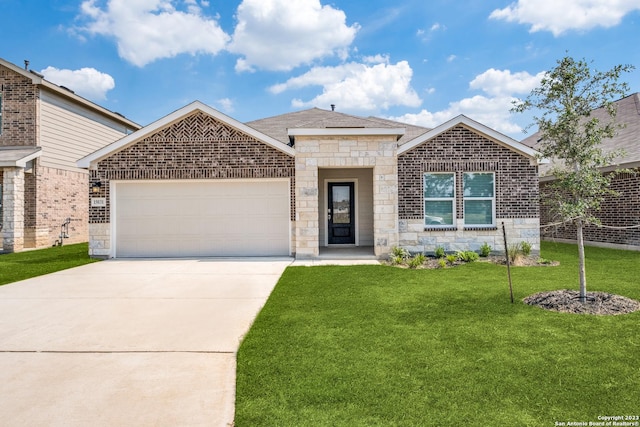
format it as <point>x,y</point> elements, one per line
<point>627,139</point>
<point>316,118</point>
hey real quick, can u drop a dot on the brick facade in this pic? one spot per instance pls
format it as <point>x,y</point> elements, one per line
<point>61,194</point>
<point>461,150</point>
<point>621,211</point>
<point>196,147</point>
<point>19,107</point>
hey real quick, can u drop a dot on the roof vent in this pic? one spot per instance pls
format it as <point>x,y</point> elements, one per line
<point>67,89</point>
<point>26,64</point>
<point>333,107</point>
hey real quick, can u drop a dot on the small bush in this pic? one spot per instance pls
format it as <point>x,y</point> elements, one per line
<point>485,250</point>
<point>440,252</point>
<point>452,258</point>
<point>399,255</point>
<point>467,256</point>
<point>442,263</point>
<point>416,261</point>
<point>396,260</point>
<point>514,251</point>
<point>471,256</point>
<point>526,248</point>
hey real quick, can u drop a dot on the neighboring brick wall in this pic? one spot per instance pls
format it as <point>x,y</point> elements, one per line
<point>621,211</point>
<point>19,112</point>
<point>51,196</point>
<point>461,150</point>
<point>196,147</point>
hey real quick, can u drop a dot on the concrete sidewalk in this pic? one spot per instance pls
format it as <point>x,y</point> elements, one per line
<point>129,342</point>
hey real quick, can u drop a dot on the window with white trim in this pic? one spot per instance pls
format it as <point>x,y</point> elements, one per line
<point>479,199</point>
<point>439,199</point>
<point>0,113</point>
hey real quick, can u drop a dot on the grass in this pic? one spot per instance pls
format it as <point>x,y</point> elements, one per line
<point>383,346</point>
<point>23,265</point>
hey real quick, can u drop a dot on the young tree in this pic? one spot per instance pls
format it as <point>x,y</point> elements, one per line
<point>571,136</point>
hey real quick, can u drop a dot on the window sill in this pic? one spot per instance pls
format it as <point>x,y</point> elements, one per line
<point>482,228</point>
<point>426,228</point>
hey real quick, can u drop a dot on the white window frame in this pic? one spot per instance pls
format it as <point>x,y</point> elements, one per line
<point>0,113</point>
<point>451,199</point>
<point>492,199</point>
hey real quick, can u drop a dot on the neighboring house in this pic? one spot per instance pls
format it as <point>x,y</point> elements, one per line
<point>620,216</point>
<point>44,130</point>
<point>199,183</point>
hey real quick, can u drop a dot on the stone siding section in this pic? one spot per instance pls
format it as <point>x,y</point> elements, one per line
<point>376,152</point>
<point>415,239</point>
<point>461,150</point>
<point>100,240</point>
<point>19,109</point>
<point>621,211</point>
<point>13,210</point>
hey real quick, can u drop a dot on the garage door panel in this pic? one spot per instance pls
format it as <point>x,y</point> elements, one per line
<point>202,218</point>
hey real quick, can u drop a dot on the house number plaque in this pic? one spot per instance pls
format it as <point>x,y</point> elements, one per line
<point>99,202</point>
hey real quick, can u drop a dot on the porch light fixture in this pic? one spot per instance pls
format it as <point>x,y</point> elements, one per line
<point>95,187</point>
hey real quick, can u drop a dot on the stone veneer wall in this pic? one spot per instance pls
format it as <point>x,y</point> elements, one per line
<point>13,209</point>
<point>196,147</point>
<point>19,109</point>
<point>377,152</point>
<point>621,211</point>
<point>461,150</point>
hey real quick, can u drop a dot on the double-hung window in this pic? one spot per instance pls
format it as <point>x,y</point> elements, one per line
<point>479,200</point>
<point>439,199</point>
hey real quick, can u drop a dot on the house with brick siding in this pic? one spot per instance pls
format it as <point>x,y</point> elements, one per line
<point>200,183</point>
<point>44,130</point>
<point>619,215</point>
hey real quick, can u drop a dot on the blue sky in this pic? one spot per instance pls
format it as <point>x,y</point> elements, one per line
<point>418,61</point>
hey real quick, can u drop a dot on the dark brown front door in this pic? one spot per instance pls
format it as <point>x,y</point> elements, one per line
<point>341,228</point>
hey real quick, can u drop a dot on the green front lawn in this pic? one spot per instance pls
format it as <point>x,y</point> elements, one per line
<point>23,265</point>
<point>384,346</point>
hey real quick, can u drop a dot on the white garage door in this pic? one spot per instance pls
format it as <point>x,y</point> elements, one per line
<point>202,218</point>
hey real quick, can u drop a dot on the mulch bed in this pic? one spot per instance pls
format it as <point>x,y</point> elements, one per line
<point>568,301</point>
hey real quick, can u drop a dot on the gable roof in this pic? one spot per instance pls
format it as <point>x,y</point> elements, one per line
<point>93,158</point>
<point>627,139</point>
<point>38,79</point>
<point>463,120</point>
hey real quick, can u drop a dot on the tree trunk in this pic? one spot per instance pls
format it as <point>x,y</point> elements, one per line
<point>583,275</point>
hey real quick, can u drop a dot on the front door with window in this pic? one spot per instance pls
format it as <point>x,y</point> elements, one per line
<point>341,218</point>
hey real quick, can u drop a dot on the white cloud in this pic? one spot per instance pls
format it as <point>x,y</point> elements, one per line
<point>87,82</point>
<point>451,58</point>
<point>356,86</point>
<point>148,30</point>
<point>492,109</point>
<point>503,82</point>
<point>558,17</point>
<point>492,112</point>
<point>282,34</point>
<point>376,59</point>
<point>226,105</point>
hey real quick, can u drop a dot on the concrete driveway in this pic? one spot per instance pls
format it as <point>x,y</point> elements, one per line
<point>129,342</point>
